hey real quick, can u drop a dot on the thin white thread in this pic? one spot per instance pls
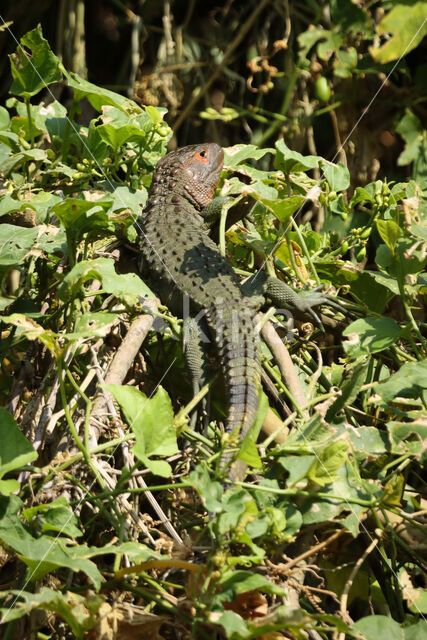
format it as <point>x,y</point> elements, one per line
<point>107,179</point>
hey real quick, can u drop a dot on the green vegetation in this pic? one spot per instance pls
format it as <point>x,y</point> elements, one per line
<point>104,526</point>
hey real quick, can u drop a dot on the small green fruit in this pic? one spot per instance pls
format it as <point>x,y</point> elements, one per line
<point>322,90</point>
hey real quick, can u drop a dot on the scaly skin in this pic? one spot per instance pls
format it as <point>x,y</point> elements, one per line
<point>179,255</point>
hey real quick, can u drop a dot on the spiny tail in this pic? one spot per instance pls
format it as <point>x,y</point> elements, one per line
<point>238,345</point>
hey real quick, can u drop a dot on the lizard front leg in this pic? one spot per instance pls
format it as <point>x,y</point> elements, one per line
<point>281,295</point>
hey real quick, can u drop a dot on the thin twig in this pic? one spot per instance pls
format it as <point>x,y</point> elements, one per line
<point>348,584</point>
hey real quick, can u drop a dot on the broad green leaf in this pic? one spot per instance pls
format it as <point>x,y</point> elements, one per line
<point>375,627</point>
<point>291,161</point>
<point>284,209</point>
<point>384,280</point>
<point>337,175</point>
<point>235,627</point>
<point>370,335</point>
<point>236,504</point>
<point>115,137</point>
<point>7,487</point>
<point>328,462</point>
<point>297,467</point>
<point>350,391</point>
<point>343,490</point>
<point>210,491</point>
<point>411,130</point>
<point>4,118</point>
<point>248,450</point>
<point>15,243</point>
<point>127,287</point>
<point>407,25</point>
<point>32,73</point>
<point>368,441</point>
<point>234,583</point>
<point>15,450</point>
<point>92,324</point>
<point>33,331</point>
<point>82,216</point>
<point>390,232</point>
<point>418,631</point>
<point>97,96</point>
<point>126,198</point>
<point>233,156</point>
<point>410,381</point>
<point>408,437</point>
<point>151,420</point>
<point>15,160</point>
<point>79,612</point>
<point>45,554</point>
<point>54,516</point>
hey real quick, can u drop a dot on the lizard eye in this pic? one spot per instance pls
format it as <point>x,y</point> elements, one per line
<point>202,156</point>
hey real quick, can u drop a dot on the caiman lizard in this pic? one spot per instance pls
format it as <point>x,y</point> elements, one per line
<point>180,258</point>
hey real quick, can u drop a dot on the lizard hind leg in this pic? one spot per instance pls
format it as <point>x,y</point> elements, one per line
<point>194,347</point>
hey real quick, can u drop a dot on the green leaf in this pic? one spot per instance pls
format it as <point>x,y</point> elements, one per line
<point>418,631</point>
<point>233,156</point>
<point>375,627</point>
<point>284,209</point>
<point>4,118</point>
<point>15,450</point>
<point>350,391</point>
<point>408,438</point>
<point>77,611</point>
<point>16,160</point>
<point>151,420</point>
<point>209,490</point>
<point>45,554</point>
<point>297,467</point>
<point>370,335</point>
<point>369,441</point>
<point>127,287</point>
<point>32,73</point>
<point>234,583</point>
<point>390,232</point>
<point>97,96</point>
<point>409,382</point>
<point>84,216</point>
<point>411,130</point>
<point>337,175</point>
<point>234,626</point>
<point>328,461</point>
<point>407,25</point>
<point>291,161</point>
<point>343,490</point>
<point>248,450</point>
<point>92,324</point>
<point>54,516</point>
<point>33,331</point>
<point>15,243</point>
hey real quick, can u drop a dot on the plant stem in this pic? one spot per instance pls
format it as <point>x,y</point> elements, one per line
<point>30,121</point>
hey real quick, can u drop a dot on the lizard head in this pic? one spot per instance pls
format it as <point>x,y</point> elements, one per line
<point>194,171</point>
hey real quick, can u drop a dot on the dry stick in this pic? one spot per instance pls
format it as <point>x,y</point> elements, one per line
<point>237,40</point>
<point>117,371</point>
<point>311,551</point>
<point>348,584</point>
<point>286,366</point>
<point>122,362</point>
